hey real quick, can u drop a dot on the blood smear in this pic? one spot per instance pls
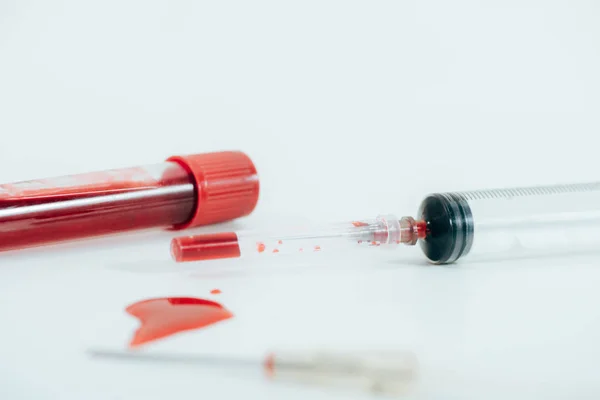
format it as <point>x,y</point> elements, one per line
<point>80,186</point>
<point>359,223</point>
<point>260,247</point>
<point>205,247</point>
<point>163,317</point>
<point>215,291</point>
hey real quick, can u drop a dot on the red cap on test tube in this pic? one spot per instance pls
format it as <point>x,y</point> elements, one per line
<point>226,186</point>
<point>182,192</point>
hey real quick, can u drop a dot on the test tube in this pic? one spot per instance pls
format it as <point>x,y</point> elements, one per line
<point>182,192</point>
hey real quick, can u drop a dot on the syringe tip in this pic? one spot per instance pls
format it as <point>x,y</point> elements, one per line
<point>205,247</point>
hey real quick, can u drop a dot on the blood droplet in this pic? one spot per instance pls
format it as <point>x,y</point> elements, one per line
<point>317,248</point>
<point>260,247</point>
<point>280,241</point>
<point>215,291</point>
<point>163,317</point>
<point>275,251</point>
<point>300,249</point>
<point>359,223</point>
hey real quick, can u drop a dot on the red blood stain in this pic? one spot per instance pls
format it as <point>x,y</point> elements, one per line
<point>163,317</point>
<point>280,241</point>
<point>78,186</point>
<point>317,248</point>
<point>359,223</point>
<point>211,246</point>
<point>260,247</point>
<point>215,291</point>
<point>275,251</point>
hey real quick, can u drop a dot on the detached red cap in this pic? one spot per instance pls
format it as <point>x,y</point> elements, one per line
<point>226,186</point>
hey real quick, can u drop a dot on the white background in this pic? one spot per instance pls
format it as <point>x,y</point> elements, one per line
<point>349,109</point>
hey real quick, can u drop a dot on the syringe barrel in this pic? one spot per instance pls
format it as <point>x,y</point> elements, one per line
<point>180,192</point>
<point>514,222</point>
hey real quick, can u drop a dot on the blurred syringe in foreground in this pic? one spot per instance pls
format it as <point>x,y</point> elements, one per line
<point>391,373</point>
<point>529,221</point>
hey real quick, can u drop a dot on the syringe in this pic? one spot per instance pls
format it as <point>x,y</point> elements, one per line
<point>494,223</point>
<point>392,373</point>
<point>389,373</point>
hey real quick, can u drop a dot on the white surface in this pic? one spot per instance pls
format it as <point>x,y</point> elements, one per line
<point>348,109</point>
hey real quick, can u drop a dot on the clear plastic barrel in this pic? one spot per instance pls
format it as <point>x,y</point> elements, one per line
<point>533,221</point>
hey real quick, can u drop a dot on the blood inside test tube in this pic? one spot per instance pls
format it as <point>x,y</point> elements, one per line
<point>52,210</point>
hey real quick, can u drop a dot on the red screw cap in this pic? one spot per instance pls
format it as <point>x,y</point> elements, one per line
<point>226,183</point>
